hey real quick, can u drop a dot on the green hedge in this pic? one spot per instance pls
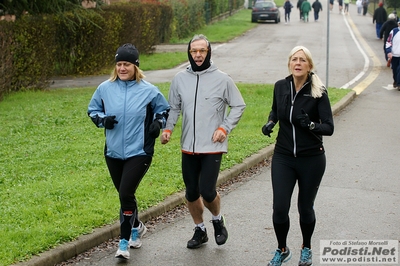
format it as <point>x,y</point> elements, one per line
<point>6,71</point>
<point>33,49</point>
<point>83,46</point>
<point>188,17</point>
<point>81,42</point>
<point>88,46</point>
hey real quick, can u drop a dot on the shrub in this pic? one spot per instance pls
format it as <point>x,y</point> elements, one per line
<point>6,70</point>
<point>32,52</point>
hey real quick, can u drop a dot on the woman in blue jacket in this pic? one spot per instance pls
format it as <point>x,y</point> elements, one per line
<point>132,111</point>
<point>302,107</point>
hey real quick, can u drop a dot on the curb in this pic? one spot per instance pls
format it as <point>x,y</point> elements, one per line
<point>83,243</point>
<point>346,100</point>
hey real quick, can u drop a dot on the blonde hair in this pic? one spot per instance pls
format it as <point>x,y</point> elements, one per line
<point>317,87</point>
<point>138,76</point>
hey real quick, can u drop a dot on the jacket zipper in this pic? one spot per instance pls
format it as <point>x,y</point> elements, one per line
<point>194,113</point>
<point>293,98</point>
<point>123,128</point>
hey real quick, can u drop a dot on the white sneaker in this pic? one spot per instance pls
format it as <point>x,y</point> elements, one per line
<point>136,235</point>
<point>123,252</point>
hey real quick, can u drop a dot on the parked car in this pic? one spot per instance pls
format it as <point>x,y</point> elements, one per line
<point>264,11</point>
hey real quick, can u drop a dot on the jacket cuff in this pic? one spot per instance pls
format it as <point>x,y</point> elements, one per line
<point>223,130</point>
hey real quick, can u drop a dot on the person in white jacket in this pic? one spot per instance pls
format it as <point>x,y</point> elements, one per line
<point>203,94</point>
<point>359,6</point>
<point>393,53</point>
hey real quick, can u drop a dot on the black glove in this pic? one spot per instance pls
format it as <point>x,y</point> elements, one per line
<point>267,128</point>
<point>109,121</point>
<point>304,120</point>
<point>154,130</point>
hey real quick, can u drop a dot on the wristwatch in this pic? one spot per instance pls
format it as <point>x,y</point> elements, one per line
<point>312,126</point>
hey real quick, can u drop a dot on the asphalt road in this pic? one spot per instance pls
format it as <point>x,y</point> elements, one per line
<point>359,194</point>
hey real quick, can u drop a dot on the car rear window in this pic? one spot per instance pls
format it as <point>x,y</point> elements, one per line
<point>264,4</point>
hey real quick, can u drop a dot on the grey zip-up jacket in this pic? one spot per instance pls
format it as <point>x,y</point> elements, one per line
<point>203,98</point>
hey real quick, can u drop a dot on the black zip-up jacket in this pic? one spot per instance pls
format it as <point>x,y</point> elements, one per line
<point>293,139</point>
<point>380,15</point>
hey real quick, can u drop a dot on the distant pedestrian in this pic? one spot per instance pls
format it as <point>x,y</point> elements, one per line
<point>380,16</point>
<point>317,8</point>
<point>305,8</point>
<point>387,27</point>
<point>359,7</point>
<point>340,2</point>
<point>132,111</point>
<point>331,2</point>
<point>393,53</point>
<point>299,3</point>
<point>346,6</point>
<point>301,106</point>
<point>288,8</point>
<point>365,4</point>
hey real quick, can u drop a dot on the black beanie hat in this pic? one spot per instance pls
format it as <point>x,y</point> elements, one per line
<point>129,53</point>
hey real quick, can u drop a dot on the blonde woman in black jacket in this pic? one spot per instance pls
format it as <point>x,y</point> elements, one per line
<point>302,107</point>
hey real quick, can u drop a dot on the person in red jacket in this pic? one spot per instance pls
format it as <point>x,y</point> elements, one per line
<point>302,107</point>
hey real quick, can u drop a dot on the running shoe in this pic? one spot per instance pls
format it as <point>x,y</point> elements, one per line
<point>305,257</point>
<point>123,252</point>
<point>136,235</point>
<point>280,257</point>
<point>220,232</point>
<point>198,238</point>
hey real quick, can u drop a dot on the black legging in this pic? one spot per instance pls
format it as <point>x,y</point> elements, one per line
<point>396,70</point>
<point>365,10</point>
<point>287,16</point>
<point>200,174</point>
<point>126,176</point>
<point>285,172</point>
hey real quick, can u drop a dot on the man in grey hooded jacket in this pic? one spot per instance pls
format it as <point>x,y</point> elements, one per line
<point>203,93</point>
